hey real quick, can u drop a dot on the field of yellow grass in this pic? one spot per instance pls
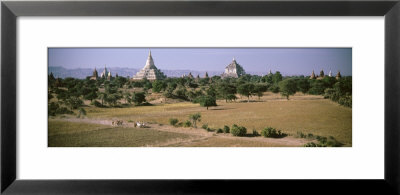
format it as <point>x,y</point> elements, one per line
<point>76,134</point>
<point>305,113</point>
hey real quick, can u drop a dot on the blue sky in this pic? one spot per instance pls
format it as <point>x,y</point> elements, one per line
<point>290,61</point>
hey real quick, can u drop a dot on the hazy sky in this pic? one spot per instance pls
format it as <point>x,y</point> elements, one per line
<point>290,61</point>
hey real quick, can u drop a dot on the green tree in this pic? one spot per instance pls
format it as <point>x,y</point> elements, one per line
<point>211,91</point>
<point>317,87</point>
<point>259,89</point>
<point>288,87</point>
<point>277,77</point>
<point>180,92</point>
<point>159,86</point>
<point>194,118</point>
<point>112,99</point>
<point>246,89</point>
<point>138,98</point>
<point>226,89</point>
<point>128,97</point>
<point>231,97</point>
<point>103,97</point>
<point>207,101</point>
<point>303,85</point>
<point>73,102</point>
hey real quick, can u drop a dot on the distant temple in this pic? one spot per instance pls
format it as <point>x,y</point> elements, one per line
<point>322,75</point>
<point>206,75</point>
<point>190,75</point>
<point>95,75</point>
<point>313,75</point>
<point>338,76</point>
<point>149,71</point>
<point>270,73</point>
<point>233,70</point>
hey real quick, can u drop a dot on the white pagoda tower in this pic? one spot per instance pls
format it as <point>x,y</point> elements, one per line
<point>149,71</point>
<point>233,70</point>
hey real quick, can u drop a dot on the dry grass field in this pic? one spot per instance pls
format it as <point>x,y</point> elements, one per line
<point>74,134</point>
<point>305,113</point>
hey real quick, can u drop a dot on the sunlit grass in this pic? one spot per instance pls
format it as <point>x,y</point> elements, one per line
<point>305,113</point>
<point>73,134</point>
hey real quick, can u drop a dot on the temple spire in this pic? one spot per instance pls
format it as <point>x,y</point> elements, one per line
<point>149,62</point>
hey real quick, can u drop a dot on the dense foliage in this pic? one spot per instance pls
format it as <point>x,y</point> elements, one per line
<point>68,94</point>
<point>238,130</point>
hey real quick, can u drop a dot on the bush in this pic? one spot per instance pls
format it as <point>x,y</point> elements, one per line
<point>187,123</point>
<point>328,142</point>
<point>226,129</point>
<point>255,133</point>
<point>345,101</point>
<point>204,126</point>
<point>274,89</point>
<point>272,132</point>
<point>173,121</point>
<point>219,130</point>
<point>55,108</point>
<point>300,134</point>
<point>322,141</point>
<point>96,103</point>
<point>310,144</point>
<point>210,129</point>
<point>238,130</point>
<point>207,101</point>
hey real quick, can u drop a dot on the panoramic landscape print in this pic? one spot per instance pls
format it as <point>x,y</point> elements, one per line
<point>199,97</point>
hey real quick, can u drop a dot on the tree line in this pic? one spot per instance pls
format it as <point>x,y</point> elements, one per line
<point>71,92</point>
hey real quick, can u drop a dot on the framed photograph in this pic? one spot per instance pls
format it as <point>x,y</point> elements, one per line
<point>199,96</point>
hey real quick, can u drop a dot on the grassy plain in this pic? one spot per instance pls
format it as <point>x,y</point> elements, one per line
<point>75,134</point>
<point>305,113</point>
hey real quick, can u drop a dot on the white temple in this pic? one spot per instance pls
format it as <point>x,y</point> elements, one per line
<point>149,71</point>
<point>105,72</point>
<point>233,70</point>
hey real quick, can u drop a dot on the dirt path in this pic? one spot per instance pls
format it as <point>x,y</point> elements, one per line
<point>197,133</point>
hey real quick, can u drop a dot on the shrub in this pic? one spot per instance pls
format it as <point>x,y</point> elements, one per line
<point>274,89</point>
<point>55,108</point>
<point>207,101</point>
<point>205,126</point>
<point>226,129</point>
<point>187,123</point>
<point>272,132</point>
<point>310,144</point>
<point>180,124</point>
<point>194,118</point>
<point>328,142</point>
<point>238,130</point>
<point>255,133</point>
<point>345,101</point>
<point>130,121</point>
<point>210,129</point>
<point>219,130</point>
<point>173,121</point>
<point>81,112</point>
<point>300,134</point>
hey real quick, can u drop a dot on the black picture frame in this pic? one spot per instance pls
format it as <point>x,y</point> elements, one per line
<point>11,10</point>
